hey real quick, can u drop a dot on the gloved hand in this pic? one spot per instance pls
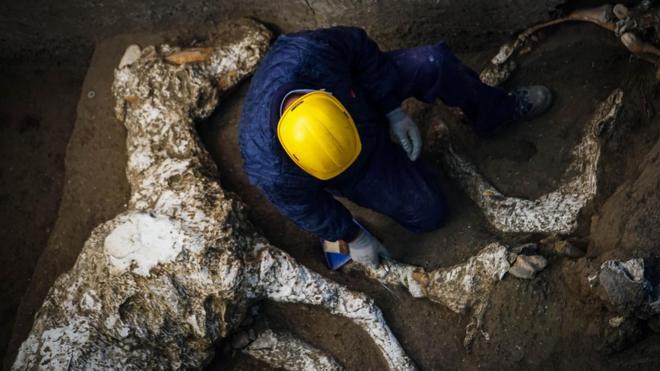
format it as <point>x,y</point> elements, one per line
<point>407,132</point>
<point>366,249</point>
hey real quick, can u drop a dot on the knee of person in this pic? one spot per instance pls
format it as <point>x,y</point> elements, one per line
<point>435,216</point>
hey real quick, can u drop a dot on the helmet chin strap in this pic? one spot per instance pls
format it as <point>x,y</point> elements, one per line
<point>291,97</point>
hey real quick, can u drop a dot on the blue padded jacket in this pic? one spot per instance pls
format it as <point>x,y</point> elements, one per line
<point>344,62</point>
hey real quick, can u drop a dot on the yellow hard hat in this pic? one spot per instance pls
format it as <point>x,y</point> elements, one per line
<point>319,135</point>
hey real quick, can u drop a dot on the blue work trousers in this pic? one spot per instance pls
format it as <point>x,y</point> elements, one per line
<point>408,191</point>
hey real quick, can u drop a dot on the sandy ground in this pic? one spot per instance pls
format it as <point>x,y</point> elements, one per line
<point>546,323</point>
<point>37,113</point>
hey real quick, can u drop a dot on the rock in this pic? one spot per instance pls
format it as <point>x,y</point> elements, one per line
<point>620,11</point>
<point>526,266</point>
<point>131,55</point>
<point>616,321</point>
<point>624,283</point>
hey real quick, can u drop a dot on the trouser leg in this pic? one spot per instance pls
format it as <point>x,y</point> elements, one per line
<point>432,71</point>
<point>406,191</point>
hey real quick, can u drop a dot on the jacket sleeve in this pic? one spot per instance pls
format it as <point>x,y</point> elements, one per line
<point>372,69</point>
<point>312,209</point>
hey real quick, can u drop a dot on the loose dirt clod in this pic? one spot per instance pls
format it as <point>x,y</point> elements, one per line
<point>527,266</point>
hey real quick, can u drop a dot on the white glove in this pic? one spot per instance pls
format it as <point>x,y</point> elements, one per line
<point>407,132</point>
<point>366,249</point>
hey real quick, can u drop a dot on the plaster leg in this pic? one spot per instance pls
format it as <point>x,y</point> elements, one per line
<point>555,212</point>
<point>283,350</point>
<point>282,279</point>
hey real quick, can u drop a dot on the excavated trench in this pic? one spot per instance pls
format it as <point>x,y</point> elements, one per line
<point>551,322</point>
<point>530,324</point>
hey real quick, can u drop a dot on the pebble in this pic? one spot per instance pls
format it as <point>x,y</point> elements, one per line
<point>526,266</point>
<point>131,54</point>
<point>616,321</point>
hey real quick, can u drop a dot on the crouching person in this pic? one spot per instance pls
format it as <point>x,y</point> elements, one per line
<point>317,120</point>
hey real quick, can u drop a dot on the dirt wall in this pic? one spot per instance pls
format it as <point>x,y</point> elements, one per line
<point>59,25</point>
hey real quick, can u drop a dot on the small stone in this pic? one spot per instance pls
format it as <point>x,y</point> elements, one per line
<point>616,321</point>
<point>131,55</point>
<point>522,271</point>
<point>624,283</point>
<point>526,266</point>
<point>620,11</point>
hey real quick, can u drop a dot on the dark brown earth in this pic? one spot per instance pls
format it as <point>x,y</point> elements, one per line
<point>552,322</point>
<point>37,113</point>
